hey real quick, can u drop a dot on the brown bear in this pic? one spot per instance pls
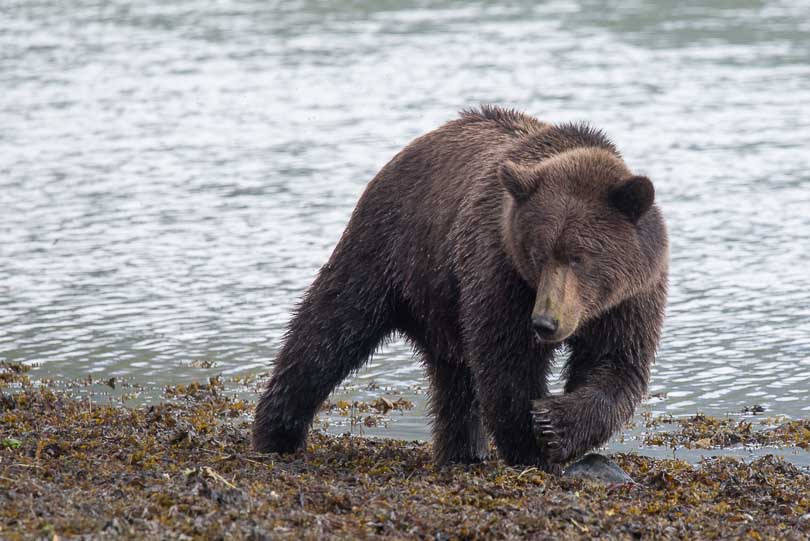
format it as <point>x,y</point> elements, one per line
<point>490,243</point>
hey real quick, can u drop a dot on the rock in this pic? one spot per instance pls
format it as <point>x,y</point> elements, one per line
<point>597,468</point>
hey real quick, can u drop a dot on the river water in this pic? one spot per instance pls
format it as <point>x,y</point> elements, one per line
<point>173,173</point>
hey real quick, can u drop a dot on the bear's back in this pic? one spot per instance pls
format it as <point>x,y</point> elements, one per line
<point>509,121</point>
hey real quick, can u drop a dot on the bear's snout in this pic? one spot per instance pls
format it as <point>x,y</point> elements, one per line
<point>545,326</point>
<point>557,308</point>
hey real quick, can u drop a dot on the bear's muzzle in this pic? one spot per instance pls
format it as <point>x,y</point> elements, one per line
<point>557,307</point>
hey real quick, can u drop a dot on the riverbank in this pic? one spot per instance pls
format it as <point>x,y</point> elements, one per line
<point>184,469</point>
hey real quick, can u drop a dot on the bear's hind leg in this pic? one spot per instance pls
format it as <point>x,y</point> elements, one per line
<point>458,429</point>
<point>339,323</point>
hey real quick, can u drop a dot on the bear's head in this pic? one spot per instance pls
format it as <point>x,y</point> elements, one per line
<point>583,232</point>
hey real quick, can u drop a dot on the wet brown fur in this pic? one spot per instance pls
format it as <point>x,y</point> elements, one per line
<point>451,245</point>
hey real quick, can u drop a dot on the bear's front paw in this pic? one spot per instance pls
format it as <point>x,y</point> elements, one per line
<point>550,433</point>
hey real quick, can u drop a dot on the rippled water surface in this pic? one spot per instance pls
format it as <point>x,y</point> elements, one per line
<point>173,173</point>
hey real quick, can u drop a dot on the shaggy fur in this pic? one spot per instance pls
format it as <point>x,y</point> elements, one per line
<point>489,243</point>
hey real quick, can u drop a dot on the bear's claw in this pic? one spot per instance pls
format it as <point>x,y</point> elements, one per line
<point>548,436</point>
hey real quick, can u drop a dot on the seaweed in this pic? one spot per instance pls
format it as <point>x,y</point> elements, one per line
<point>707,432</point>
<point>184,469</point>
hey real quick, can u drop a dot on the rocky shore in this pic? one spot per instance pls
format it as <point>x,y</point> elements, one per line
<point>183,469</point>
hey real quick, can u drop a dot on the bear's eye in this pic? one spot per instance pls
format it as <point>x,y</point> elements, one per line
<point>576,260</point>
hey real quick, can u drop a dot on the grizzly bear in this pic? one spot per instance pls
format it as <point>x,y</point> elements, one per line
<point>490,243</point>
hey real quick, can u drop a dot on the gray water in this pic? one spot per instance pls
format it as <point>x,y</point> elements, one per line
<point>173,173</point>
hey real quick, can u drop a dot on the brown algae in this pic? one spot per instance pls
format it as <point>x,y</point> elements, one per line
<point>184,469</point>
<point>706,432</point>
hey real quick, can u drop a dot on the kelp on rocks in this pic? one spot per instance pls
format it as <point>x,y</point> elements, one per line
<point>706,432</point>
<point>184,469</point>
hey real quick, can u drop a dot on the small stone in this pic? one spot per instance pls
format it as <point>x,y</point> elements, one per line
<point>595,467</point>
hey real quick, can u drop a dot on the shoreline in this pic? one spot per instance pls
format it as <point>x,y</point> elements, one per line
<point>377,410</point>
<point>185,470</point>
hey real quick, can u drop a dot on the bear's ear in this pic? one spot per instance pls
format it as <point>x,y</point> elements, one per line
<point>519,181</point>
<point>633,197</point>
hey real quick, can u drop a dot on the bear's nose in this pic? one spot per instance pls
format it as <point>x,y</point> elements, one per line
<point>545,325</point>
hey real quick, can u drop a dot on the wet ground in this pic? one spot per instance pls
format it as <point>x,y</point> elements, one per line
<point>71,467</point>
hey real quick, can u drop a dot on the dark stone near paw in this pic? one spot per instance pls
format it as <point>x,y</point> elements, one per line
<point>597,468</point>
